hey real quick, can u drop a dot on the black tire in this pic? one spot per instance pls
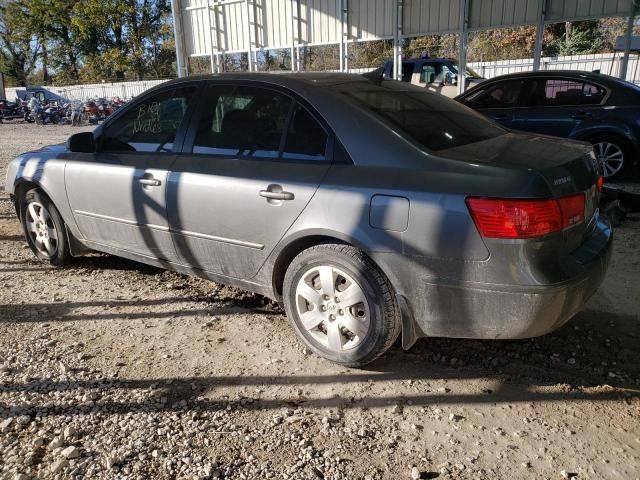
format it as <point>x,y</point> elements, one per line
<point>384,313</point>
<point>622,145</point>
<point>59,254</point>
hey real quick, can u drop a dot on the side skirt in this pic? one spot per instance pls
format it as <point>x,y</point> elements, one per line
<point>177,267</point>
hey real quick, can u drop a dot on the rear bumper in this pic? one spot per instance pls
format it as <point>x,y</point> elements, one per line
<point>474,309</point>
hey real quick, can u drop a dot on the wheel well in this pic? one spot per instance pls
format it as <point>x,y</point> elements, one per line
<point>286,256</point>
<point>631,148</point>
<point>615,135</point>
<point>19,191</point>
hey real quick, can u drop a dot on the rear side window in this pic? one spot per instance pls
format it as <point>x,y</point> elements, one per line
<point>558,92</point>
<point>436,72</point>
<point>407,71</point>
<point>246,121</point>
<point>258,122</point>
<point>498,95</point>
<point>433,121</point>
<point>306,139</point>
<point>150,126</point>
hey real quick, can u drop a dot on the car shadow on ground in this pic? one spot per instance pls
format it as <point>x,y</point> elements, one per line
<point>577,363</point>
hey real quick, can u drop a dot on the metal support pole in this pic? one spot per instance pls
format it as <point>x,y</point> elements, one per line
<point>627,41</point>
<point>177,34</point>
<point>341,46</point>
<point>397,39</point>
<point>462,54</point>
<point>537,51</point>
<point>294,4</point>
<point>212,57</point>
<point>249,36</point>
<point>345,20</point>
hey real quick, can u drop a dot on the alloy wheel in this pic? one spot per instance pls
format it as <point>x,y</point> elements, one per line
<point>41,229</point>
<point>610,156</point>
<point>332,308</point>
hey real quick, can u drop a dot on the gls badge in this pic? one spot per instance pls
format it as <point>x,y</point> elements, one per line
<point>561,181</point>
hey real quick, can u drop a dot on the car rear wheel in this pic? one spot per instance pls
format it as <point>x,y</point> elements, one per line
<point>44,228</point>
<point>341,305</point>
<point>612,154</point>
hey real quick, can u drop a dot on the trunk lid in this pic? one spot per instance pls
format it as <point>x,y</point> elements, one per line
<point>567,166</point>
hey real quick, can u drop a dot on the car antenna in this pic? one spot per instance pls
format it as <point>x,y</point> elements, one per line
<point>375,75</point>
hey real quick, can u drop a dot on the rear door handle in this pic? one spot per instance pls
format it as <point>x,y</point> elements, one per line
<point>501,118</point>
<point>277,195</point>
<point>580,115</point>
<point>149,182</point>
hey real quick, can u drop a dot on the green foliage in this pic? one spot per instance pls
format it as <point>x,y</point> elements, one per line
<point>578,38</point>
<point>18,50</point>
<point>88,40</point>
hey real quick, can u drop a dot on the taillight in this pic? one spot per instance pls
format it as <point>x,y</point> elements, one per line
<point>512,218</point>
<point>572,209</point>
<point>600,183</point>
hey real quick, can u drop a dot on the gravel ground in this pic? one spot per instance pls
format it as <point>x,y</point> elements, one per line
<point>111,369</point>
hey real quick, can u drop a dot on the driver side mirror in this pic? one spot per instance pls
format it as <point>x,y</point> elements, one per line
<point>82,142</point>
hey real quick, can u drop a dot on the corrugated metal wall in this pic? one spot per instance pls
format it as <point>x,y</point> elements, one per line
<point>507,13</point>
<point>422,17</point>
<point>274,23</point>
<point>371,19</point>
<point>319,21</point>
<point>564,10</point>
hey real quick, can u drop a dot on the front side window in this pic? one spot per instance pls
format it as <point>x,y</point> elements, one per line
<point>431,120</point>
<point>570,92</point>
<point>498,95</point>
<point>246,121</point>
<point>151,125</point>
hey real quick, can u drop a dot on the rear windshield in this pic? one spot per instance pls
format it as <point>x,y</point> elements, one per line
<point>430,119</point>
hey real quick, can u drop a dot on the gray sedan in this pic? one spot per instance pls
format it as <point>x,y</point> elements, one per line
<point>371,208</point>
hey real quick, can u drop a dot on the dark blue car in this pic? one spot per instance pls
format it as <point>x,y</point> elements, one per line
<point>599,109</point>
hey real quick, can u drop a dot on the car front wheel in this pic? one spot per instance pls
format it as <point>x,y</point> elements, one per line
<point>341,305</point>
<point>44,228</point>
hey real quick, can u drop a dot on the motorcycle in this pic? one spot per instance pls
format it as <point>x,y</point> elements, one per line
<point>42,115</point>
<point>11,110</point>
<point>76,113</point>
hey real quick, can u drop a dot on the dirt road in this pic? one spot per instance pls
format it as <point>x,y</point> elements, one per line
<point>111,369</point>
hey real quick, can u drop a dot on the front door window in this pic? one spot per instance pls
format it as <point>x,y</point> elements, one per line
<point>151,125</point>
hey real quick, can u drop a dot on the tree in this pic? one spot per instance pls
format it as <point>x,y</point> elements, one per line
<point>19,49</point>
<point>577,38</point>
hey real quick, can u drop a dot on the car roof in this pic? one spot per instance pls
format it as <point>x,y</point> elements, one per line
<point>289,79</point>
<point>423,60</point>
<point>577,74</point>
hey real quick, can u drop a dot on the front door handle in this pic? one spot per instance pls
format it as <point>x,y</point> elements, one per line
<point>149,182</point>
<point>277,195</point>
<point>501,118</point>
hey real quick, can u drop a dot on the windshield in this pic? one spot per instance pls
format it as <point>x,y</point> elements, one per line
<point>468,72</point>
<point>431,120</point>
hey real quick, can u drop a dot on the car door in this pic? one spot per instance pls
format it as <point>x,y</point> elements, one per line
<point>118,194</point>
<point>561,105</point>
<point>500,101</point>
<point>254,157</point>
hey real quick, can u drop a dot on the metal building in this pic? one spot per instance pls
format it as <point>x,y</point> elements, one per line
<point>211,28</point>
